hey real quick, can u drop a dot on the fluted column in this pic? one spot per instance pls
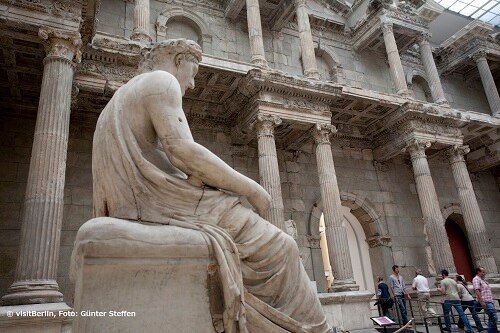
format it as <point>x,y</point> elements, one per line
<point>335,230</point>
<point>141,22</point>
<point>395,65</point>
<point>429,203</point>
<point>36,270</point>
<point>474,224</point>
<point>306,41</point>
<point>430,69</point>
<point>255,33</point>
<point>490,88</point>
<point>268,168</point>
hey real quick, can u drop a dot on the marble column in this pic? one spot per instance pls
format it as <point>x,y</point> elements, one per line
<point>36,270</point>
<point>430,69</point>
<point>306,41</point>
<point>490,88</point>
<point>429,203</point>
<point>268,168</point>
<point>141,22</point>
<point>335,230</point>
<point>255,33</point>
<point>395,65</point>
<point>474,224</point>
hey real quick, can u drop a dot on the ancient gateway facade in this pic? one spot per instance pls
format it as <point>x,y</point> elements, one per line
<point>379,144</point>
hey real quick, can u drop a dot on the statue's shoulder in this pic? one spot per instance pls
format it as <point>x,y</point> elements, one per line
<point>156,82</point>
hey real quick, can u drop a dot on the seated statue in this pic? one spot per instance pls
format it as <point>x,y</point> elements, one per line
<point>147,168</point>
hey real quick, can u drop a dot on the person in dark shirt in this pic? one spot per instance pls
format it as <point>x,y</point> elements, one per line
<point>384,297</point>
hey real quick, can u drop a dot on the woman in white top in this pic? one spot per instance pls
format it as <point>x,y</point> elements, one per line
<point>468,302</point>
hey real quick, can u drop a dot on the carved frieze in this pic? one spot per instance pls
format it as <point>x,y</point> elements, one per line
<point>65,9</point>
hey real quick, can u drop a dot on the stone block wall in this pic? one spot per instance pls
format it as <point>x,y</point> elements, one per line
<point>389,189</point>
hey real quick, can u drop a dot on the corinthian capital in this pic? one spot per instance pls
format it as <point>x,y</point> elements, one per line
<point>266,123</point>
<point>416,148</point>
<point>456,153</point>
<point>321,133</point>
<point>478,55</point>
<point>424,37</point>
<point>386,27</point>
<point>61,44</point>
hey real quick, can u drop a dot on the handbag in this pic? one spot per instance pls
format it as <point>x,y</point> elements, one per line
<point>477,306</point>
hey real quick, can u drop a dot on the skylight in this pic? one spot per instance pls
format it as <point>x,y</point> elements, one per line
<point>485,10</point>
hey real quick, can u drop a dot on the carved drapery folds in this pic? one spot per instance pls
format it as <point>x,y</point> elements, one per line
<point>474,223</point>
<point>268,167</point>
<point>335,230</point>
<point>429,203</point>
<point>36,270</point>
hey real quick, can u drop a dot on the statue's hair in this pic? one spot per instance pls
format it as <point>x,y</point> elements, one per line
<point>170,48</point>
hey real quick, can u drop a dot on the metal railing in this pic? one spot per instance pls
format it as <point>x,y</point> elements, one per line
<point>416,315</point>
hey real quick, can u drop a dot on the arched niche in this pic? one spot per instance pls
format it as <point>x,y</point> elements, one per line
<point>328,65</point>
<point>363,224</point>
<point>417,81</point>
<point>178,22</point>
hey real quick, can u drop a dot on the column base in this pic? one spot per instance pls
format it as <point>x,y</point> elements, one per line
<point>344,285</point>
<point>259,61</point>
<point>314,74</point>
<point>443,102</point>
<point>404,93</point>
<point>493,278</point>
<point>141,37</point>
<point>33,292</point>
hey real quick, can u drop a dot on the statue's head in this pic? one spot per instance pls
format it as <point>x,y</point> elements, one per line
<point>179,57</point>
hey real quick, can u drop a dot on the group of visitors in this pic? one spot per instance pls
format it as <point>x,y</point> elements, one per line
<point>456,295</point>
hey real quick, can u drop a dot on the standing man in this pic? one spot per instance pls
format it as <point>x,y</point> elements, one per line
<point>384,297</point>
<point>397,284</point>
<point>421,285</point>
<point>485,297</point>
<point>449,288</point>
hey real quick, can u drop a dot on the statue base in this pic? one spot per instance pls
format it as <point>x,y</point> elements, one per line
<point>131,277</point>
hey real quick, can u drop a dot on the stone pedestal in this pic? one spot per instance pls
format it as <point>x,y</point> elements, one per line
<point>429,203</point>
<point>157,279</point>
<point>474,224</point>
<point>348,310</point>
<point>490,88</point>
<point>268,168</point>
<point>255,33</point>
<point>336,233</point>
<point>306,41</point>
<point>141,22</point>
<point>431,70</point>
<point>36,270</point>
<point>395,66</point>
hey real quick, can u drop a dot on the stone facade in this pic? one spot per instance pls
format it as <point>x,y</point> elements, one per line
<point>369,70</point>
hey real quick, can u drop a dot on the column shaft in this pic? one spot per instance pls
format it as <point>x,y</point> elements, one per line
<point>255,33</point>
<point>490,88</point>
<point>429,203</point>
<point>268,168</point>
<point>336,233</point>
<point>141,22</point>
<point>431,70</point>
<point>474,224</point>
<point>306,41</point>
<point>395,65</point>
<point>36,270</point>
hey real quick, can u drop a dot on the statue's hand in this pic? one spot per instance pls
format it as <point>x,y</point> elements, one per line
<point>260,200</point>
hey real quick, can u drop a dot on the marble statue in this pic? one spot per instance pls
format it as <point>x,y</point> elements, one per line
<point>148,169</point>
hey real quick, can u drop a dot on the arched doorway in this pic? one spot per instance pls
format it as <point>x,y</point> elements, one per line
<point>358,250</point>
<point>459,246</point>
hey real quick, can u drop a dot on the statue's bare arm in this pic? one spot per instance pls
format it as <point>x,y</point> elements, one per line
<point>163,102</point>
